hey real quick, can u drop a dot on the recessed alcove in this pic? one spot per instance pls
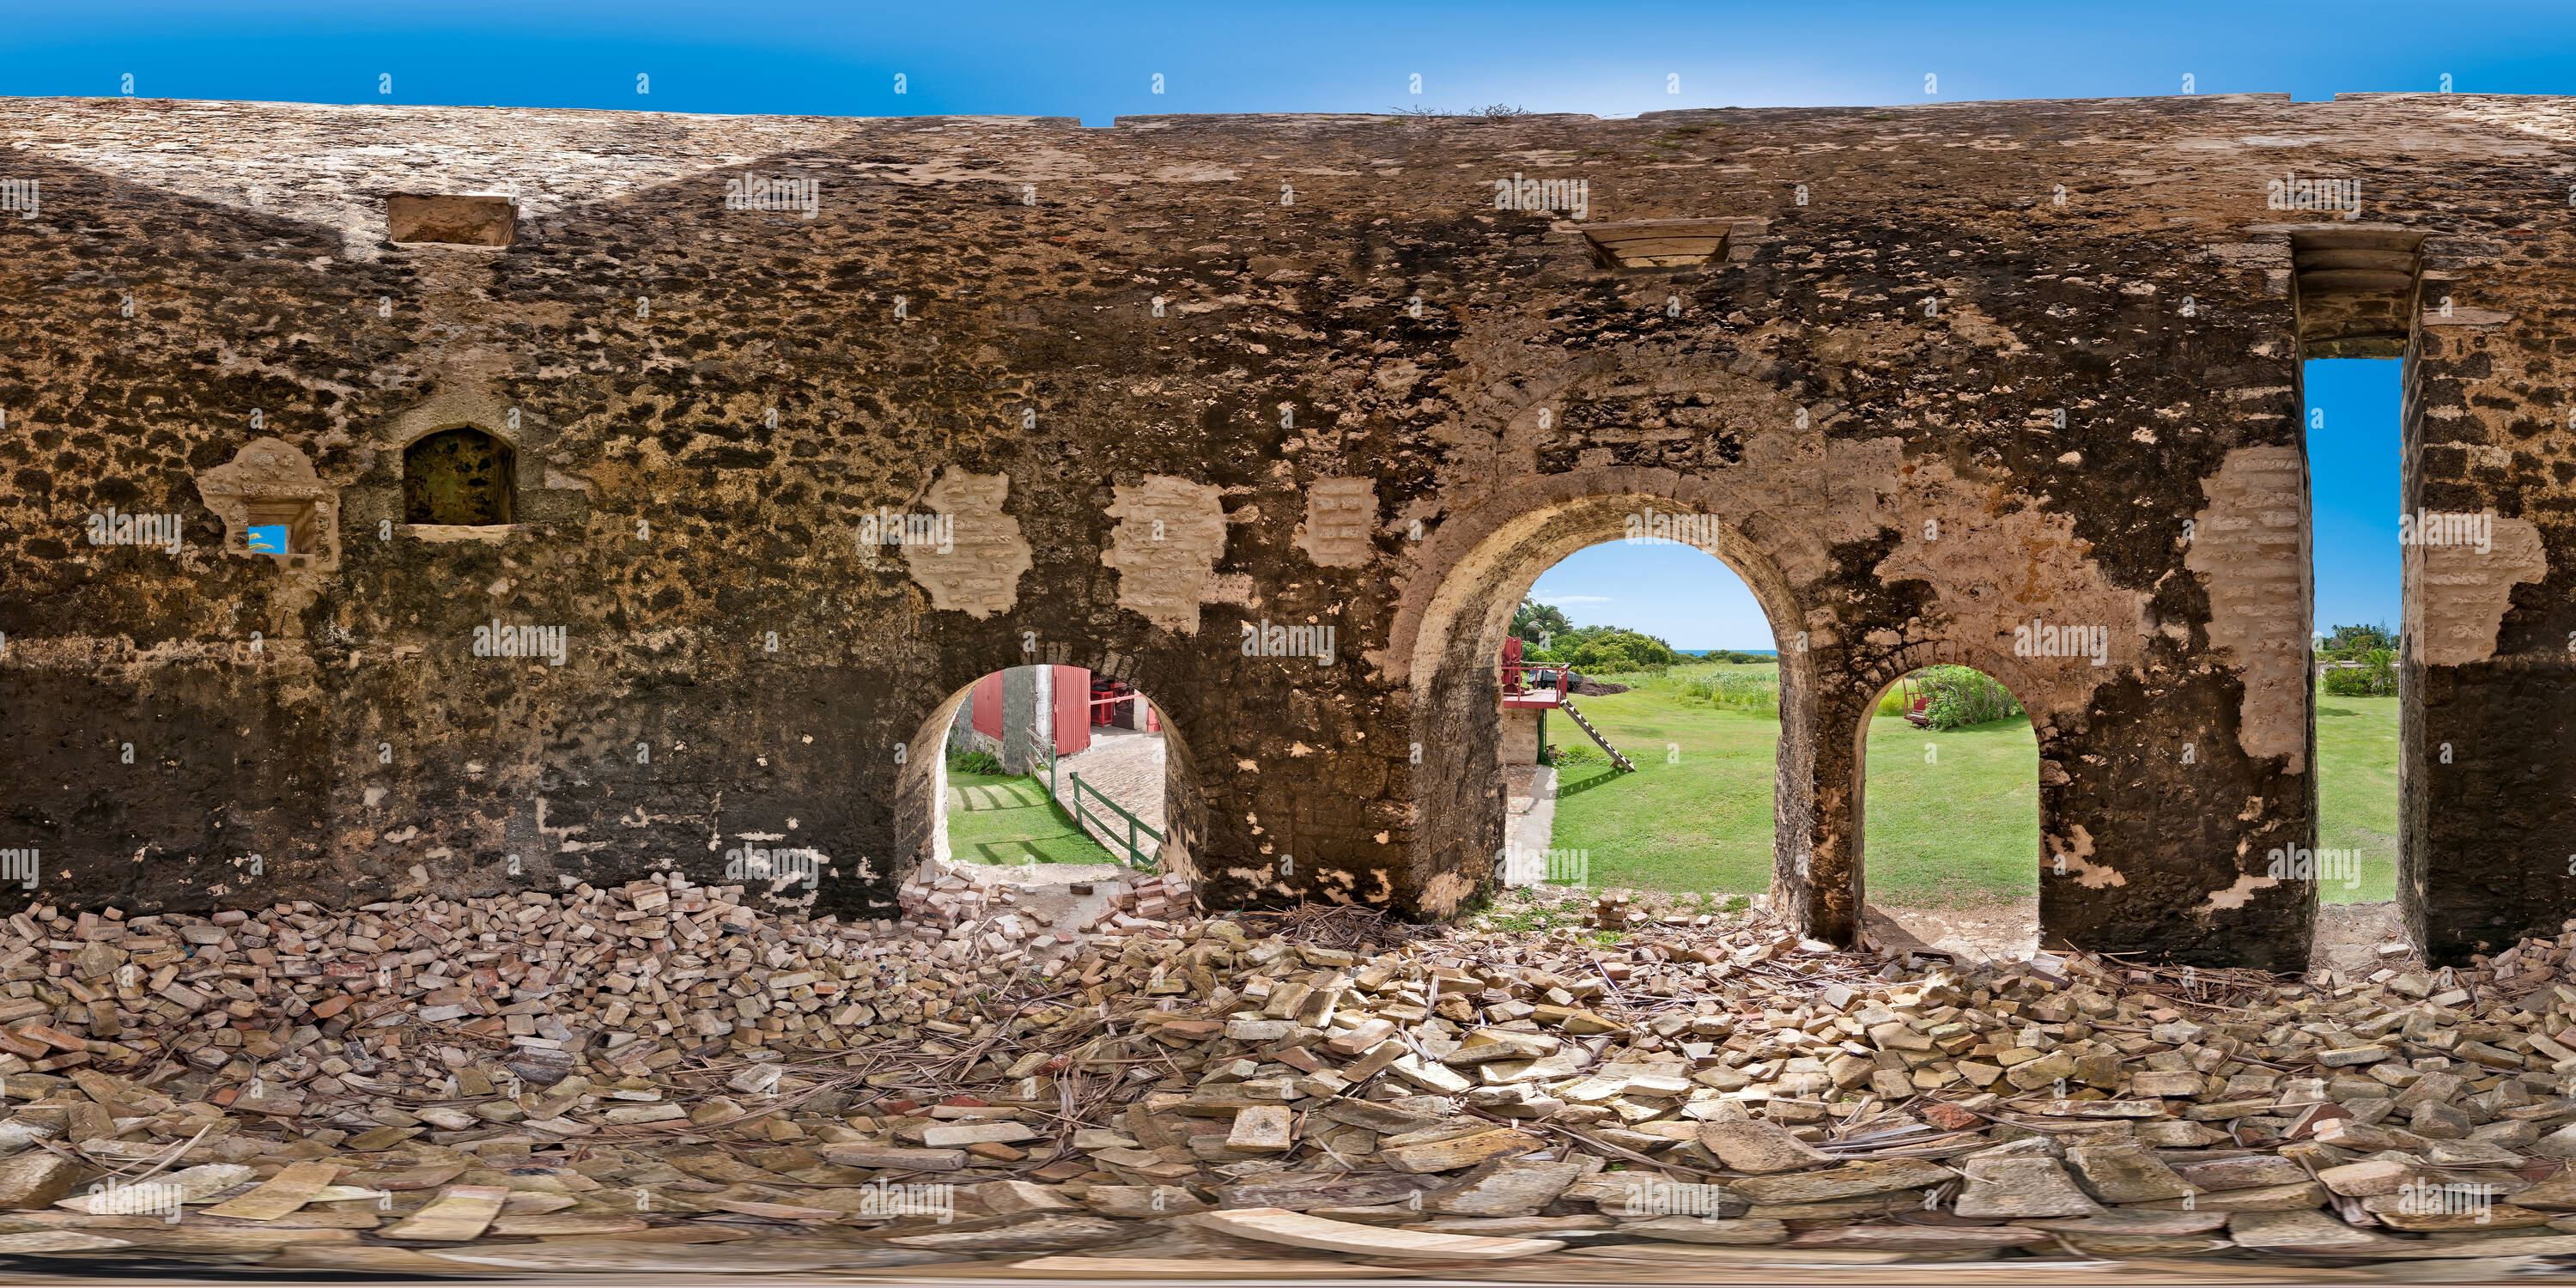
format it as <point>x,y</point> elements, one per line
<point>1659,243</point>
<point>469,219</point>
<point>458,477</point>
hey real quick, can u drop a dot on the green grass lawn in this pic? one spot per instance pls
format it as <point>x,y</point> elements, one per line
<point>1951,818</point>
<point>2357,792</point>
<point>1003,818</point>
<point>1958,827</point>
<point>1962,829</point>
<point>1697,813</point>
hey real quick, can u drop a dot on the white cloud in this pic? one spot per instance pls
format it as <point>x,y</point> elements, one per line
<point>1575,599</point>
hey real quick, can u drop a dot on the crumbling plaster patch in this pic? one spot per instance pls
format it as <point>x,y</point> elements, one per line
<point>2235,896</point>
<point>2250,549</point>
<point>1444,892</point>
<point>1339,515</point>
<point>978,573</point>
<point>2072,854</point>
<point>1170,534</point>
<point>272,470</point>
<point>2458,594</point>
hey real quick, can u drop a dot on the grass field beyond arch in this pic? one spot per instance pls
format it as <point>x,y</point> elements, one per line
<point>1960,830</point>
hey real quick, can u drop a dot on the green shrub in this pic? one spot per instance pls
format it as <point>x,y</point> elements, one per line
<point>1892,702</point>
<point>2376,677</point>
<point>1582,753</point>
<point>974,762</point>
<point>1612,650</point>
<point>1963,695</point>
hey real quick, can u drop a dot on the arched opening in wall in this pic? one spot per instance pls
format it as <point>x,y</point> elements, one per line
<point>1950,840</point>
<point>1060,783</point>
<point>1451,634</point>
<point>460,477</point>
<point>1640,707</point>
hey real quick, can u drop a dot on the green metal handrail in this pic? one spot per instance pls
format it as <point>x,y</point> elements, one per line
<point>1136,856</point>
<point>1082,817</point>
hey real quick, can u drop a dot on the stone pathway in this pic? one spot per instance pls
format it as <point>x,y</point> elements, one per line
<point>1127,767</point>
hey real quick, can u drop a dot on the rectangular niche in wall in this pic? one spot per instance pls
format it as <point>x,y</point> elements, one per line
<point>273,504</point>
<point>458,477</point>
<point>468,220</point>
<point>1659,243</point>
<point>2356,295</point>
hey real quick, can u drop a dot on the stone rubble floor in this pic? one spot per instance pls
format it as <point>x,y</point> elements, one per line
<point>661,1080</point>
<point>2349,936</point>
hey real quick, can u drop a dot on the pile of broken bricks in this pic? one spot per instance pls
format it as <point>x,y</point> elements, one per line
<point>665,1078</point>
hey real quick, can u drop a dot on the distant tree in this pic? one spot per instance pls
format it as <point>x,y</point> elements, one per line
<point>1535,623</point>
<point>2352,642</point>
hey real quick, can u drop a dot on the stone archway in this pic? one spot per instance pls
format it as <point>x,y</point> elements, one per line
<point>919,785</point>
<point>1876,680</point>
<point>1451,627</point>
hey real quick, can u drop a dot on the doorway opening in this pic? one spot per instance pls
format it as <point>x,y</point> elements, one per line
<point>1056,794</point>
<point>1641,726</point>
<point>2354,451</point>
<point>1950,837</point>
<point>2359,293</point>
<point>1053,765</point>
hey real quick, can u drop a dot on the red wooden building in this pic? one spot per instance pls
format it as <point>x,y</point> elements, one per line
<point>1078,701</point>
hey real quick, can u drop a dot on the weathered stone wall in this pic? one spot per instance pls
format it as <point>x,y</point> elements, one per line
<point>2489,800</point>
<point>1958,369</point>
<point>1521,736</point>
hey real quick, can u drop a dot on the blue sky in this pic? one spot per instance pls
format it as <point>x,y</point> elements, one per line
<point>1103,60</point>
<point>1097,60</point>
<point>1675,593</point>
<point>2352,481</point>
